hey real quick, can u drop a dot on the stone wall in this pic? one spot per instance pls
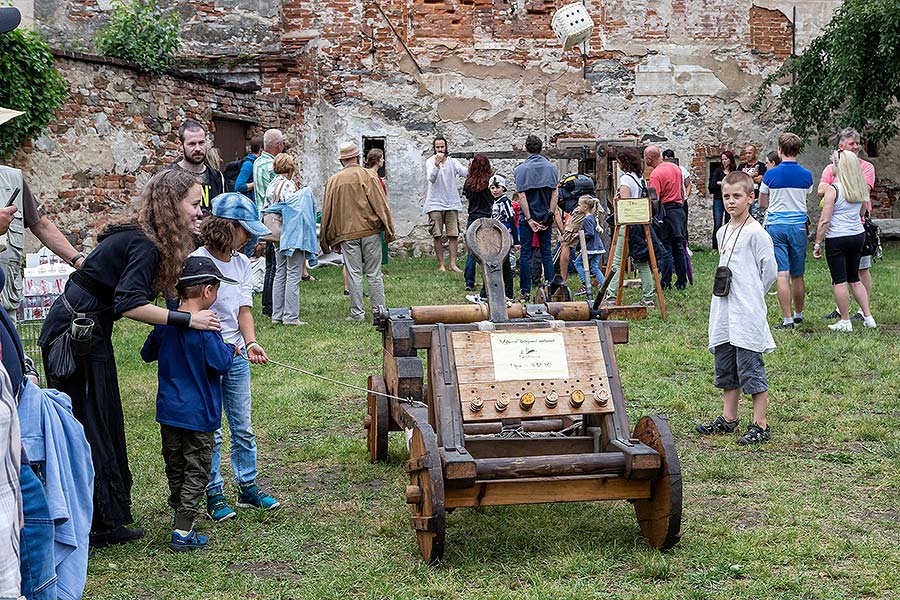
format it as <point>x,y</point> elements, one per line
<point>116,128</point>
<point>484,73</point>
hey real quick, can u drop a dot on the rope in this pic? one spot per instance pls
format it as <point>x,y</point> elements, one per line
<point>345,384</point>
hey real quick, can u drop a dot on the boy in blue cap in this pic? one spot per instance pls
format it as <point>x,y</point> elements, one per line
<point>233,224</point>
<point>189,399</point>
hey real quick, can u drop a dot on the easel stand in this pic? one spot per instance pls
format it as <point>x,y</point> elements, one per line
<point>634,214</point>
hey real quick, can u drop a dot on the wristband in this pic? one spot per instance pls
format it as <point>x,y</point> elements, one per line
<point>251,343</point>
<point>179,318</point>
<point>75,258</point>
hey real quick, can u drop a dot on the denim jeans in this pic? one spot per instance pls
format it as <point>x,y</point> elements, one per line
<point>593,265</point>
<point>236,403</point>
<point>469,274</point>
<point>37,564</point>
<point>544,238</point>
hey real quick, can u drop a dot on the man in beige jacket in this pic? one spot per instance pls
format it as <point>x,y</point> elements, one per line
<point>353,216</point>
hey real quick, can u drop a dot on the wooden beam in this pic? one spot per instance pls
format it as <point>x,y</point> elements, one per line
<point>593,463</point>
<point>537,491</point>
<point>506,447</point>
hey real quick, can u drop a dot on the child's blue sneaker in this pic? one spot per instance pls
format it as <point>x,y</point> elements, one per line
<point>217,508</point>
<point>250,496</point>
<point>191,541</point>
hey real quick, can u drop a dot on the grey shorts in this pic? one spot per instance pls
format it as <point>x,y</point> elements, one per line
<point>739,368</point>
<point>865,262</point>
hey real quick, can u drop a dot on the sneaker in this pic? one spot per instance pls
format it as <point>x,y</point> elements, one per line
<point>845,326</point>
<point>859,316</point>
<point>276,321</point>
<point>251,496</point>
<point>832,315</point>
<point>191,541</point>
<point>525,298</point>
<point>346,292</point>
<point>475,299</point>
<point>648,303</point>
<point>797,320</point>
<point>720,425</point>
<point>470,288</point>
<point>217,508</point>
<point>869,322</point>
<point>295,322</point>
<point>582,291</point>
<point>783,325</point>
<point>755,435</point>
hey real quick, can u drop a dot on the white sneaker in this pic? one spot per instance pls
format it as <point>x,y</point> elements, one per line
<point>869,322</point>
<point>474,299</point>
<point>841,326</point>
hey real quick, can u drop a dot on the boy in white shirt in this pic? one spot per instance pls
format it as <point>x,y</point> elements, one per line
<point>738,330</point>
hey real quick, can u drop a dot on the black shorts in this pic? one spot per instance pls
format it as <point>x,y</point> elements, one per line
<point>739,368</point>
<point>843,254</point>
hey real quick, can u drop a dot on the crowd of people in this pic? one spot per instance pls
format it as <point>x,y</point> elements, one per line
<point>191,241</point>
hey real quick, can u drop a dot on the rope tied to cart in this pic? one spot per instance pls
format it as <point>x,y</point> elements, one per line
<point>345,384</point>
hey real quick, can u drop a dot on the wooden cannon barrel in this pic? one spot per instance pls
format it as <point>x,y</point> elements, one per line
<point>594,463</point>
<point>489,427</point>
<point>472,313</point>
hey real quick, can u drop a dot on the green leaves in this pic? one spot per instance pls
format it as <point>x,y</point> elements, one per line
<point>28,82</point>
<point>849,76</point>
<point>138,32</point>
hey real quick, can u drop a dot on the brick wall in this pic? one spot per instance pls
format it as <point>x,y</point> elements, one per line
<point>770,32</point>
<point>117,127</point>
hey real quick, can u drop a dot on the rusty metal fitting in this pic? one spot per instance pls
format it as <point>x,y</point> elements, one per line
<point>552,399</point>
<point>476,405</point>
<point>526,401</point>
<point>502,402</point>
<point>602,397</point>
<point>576,399</point>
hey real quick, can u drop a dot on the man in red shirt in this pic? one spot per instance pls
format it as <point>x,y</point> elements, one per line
<point>668,181</point>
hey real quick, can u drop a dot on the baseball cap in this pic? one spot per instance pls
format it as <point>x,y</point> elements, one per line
<point>198,270</point>
<point>498,180</point>
<point>10,17</point>
<point>238,207</point>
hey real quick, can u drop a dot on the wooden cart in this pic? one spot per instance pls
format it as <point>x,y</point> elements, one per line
<point>524,407</point>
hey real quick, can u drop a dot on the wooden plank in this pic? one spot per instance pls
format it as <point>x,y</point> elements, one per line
<point>537,491</point>
<point>497,447</point>
<point>523,467</point>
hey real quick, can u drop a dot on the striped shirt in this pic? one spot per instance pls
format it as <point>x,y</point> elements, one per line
<point>787,185</point>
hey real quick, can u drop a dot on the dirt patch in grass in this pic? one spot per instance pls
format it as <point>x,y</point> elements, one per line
<point>272,569</point>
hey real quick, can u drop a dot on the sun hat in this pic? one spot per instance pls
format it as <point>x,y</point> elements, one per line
<point>348,150</point>
<point>238,207</point>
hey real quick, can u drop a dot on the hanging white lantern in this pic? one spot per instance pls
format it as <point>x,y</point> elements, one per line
<point>572,24</point>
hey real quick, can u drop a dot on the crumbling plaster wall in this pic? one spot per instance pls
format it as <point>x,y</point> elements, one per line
<point>679,73</point>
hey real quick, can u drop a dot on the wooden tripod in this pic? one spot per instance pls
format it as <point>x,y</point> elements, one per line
<point>621,272</point>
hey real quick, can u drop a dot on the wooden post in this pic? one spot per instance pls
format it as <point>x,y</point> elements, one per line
<point>655,269</point>
<point>622,266</point>
<point>612,251</point>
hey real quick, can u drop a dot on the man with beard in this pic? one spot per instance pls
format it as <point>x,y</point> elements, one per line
<point>193,148</point>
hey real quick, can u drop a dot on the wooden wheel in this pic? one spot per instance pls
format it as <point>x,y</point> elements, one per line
<point>425,493</point>
<point>660,515</point>
<point>377,419</point>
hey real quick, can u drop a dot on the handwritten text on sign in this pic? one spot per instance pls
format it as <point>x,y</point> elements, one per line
<point>529,356</point>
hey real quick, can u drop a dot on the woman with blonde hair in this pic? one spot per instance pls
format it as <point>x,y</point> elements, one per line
<point>135,261</point>
<point>842,230</point>
<point>290,254</point>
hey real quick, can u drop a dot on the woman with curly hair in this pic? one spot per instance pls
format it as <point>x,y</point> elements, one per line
<point>476,191</point>
<point>135,261</point>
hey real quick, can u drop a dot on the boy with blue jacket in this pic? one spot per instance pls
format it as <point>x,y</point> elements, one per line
<point>189,400</point>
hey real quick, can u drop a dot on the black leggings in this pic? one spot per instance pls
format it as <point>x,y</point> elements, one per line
<point>843,254</point>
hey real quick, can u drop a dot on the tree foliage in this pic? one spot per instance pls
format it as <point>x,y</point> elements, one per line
<point>849,76</point>
<point>29,82</point>
<point>138,32</point>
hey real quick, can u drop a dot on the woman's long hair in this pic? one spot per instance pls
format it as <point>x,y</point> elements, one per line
<point>160,218</point>
<point>630,160</point>
<point>372,158</point>
<point>479,174</point>
<point>731,164</point>
<point>846,166</point>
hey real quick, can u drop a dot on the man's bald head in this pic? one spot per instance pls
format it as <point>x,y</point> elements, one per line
<point>652,156</point>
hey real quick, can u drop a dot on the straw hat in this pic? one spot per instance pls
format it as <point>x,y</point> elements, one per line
<point>348,150</point>
<point>8,114</point>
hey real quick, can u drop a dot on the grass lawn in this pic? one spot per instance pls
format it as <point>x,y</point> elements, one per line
<point>815,513</point>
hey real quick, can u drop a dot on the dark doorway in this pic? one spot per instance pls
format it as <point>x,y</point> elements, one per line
<point>230,139</point>
<point>376,142</point>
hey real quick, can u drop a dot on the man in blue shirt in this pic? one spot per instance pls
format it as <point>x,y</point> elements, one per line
<point>189,400</point>
<point>536,183</point>
<point>783,192</point>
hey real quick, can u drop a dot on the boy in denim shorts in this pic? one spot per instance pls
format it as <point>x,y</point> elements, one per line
<point>738,330</point>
